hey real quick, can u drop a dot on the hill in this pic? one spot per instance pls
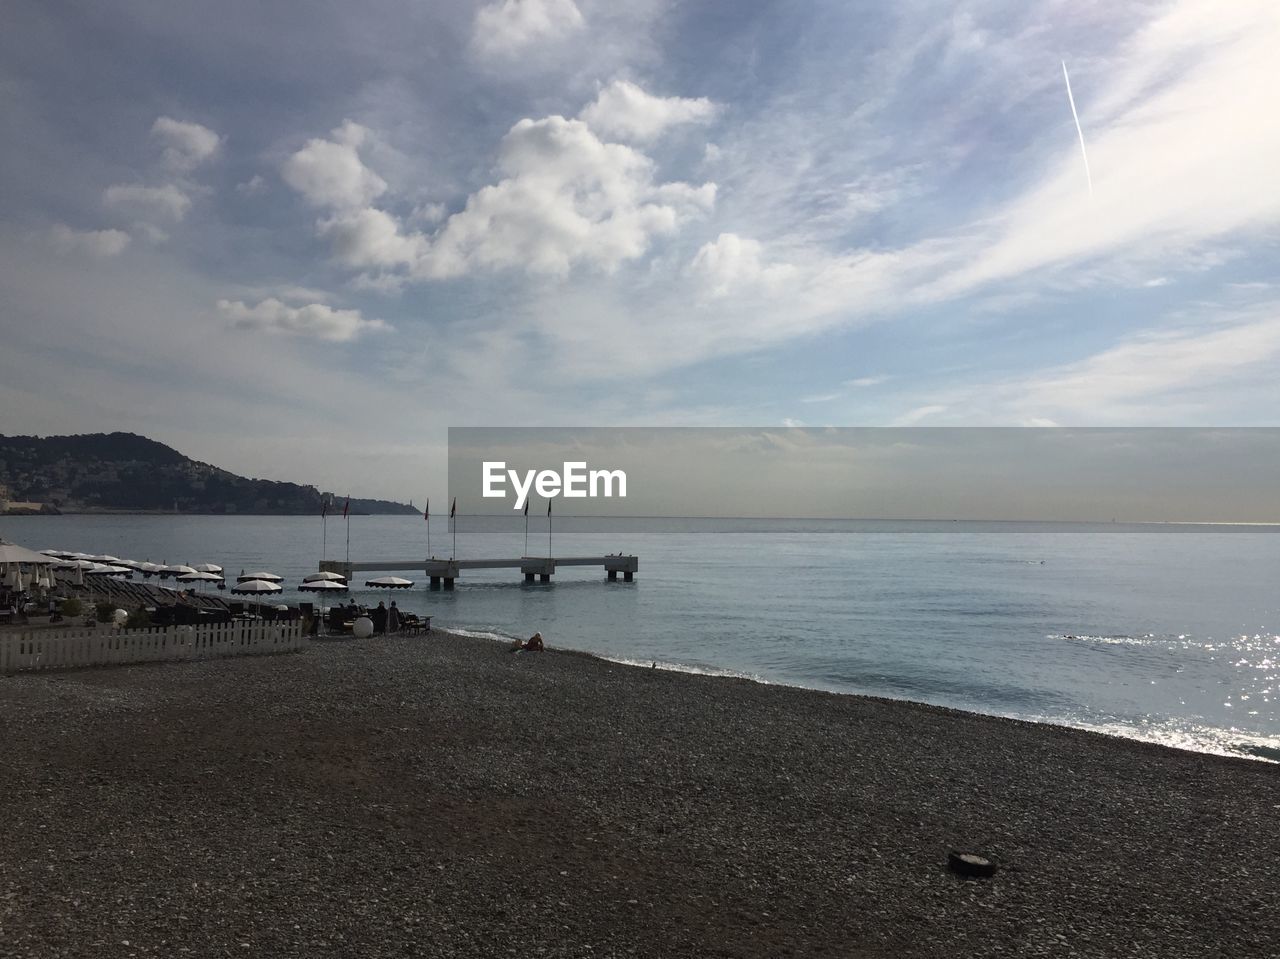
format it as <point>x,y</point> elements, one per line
<point>104,472</point>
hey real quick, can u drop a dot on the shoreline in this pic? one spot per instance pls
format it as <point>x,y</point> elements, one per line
<point>443,795</point>
<point>1250,752</point>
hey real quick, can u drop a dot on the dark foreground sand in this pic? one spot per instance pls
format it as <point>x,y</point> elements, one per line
<point>440,796</point>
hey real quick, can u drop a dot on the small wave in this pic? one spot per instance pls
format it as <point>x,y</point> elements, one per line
<point>687,668</point>
<point>1121,640</point>
<point>1190,737</point>
<point>479,634</point>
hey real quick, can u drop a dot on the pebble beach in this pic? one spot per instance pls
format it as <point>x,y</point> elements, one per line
<point>441,796</point>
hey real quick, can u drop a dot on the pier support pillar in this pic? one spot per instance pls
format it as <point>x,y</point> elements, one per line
<point>528,577</point>
<point>626,577</point>
<point>448,582</point>
<point>613,575</point>
<point>544,577</point>
<point>435,582</point>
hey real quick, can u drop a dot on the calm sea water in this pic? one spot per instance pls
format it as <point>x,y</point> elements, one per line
<point>1167,633</point>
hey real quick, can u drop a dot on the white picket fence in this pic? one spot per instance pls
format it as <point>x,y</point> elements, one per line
<point>70,648</point>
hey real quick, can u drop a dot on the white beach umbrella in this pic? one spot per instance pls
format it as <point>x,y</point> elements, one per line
<point>256,587</point>
<point>105,558</point>
<point>176,570</point>
<point>323,586</point>
<point>200,576</point>
<point>107,569</point>
<point>149,568</point>
<point>327,577</point>
<point>207,568</point>
<point>264,577</point>
<point>13,553</point>
<point>389,582</point>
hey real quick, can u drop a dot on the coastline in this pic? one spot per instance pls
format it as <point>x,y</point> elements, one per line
<point>444,795</point>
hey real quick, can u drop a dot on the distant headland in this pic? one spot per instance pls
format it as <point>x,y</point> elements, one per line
<point>127,473</point>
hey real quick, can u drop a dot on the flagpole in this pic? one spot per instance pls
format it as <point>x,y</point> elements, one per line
<point>324,535</point>
<point>428,516</point>
<point>346,511</point>
<point>548,529</point>
<point>453,520</point>
<point>526,530</point>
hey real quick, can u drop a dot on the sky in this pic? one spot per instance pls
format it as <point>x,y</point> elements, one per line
<point>302,247</point>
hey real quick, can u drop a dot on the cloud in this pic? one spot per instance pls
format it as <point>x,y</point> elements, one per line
<point>1152,367</point>
<point>101,243</point>
<point>252,186</point>
<point>315,320</point>
<point>148,202</point>
<point>330,173</point>
<point>1221,358</point>
<point>912,417</point>
<point>371,238</point>
<point>567,197</point>
<point>186,145</point>
<point>1178,156</point>
<point>863,382</point>
<point>624,111</point>
<point>508,27</point>
<point>731,262</point>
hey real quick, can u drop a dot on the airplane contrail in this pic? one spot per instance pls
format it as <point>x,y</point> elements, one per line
<point>1076,117</point>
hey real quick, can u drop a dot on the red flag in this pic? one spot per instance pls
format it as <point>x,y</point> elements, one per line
<point>346,507</point>
<point>426,513</point>
<point>454,508</point>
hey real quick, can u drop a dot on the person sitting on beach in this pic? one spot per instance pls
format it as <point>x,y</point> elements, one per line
<point>393,618</point>
<point>380,619</point>
<point>531,645</point>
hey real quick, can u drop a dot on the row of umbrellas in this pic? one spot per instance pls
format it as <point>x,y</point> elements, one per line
<point>255,583</point>
<point>334,583</point>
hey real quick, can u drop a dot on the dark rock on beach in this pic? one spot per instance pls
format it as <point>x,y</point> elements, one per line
<point>440,796</point>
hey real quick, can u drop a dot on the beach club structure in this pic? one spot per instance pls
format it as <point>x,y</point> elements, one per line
<point>184,624</point>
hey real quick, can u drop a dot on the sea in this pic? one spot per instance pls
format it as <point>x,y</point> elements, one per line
<point>1161,632</point>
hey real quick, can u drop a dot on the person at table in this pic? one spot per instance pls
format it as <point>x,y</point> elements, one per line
<point>380,618</point>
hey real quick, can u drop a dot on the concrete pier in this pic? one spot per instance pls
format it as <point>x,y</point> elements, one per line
<point>442,572</point>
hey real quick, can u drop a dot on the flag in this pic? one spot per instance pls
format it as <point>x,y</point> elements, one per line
<point>426,513</point>
<point>324,507</point>
<point>454,508</point>
<point>526,507</point>
<point>548,509</point>
<point>346,508</point>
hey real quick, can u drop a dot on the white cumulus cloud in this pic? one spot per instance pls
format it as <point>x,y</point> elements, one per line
<point>625,111</point>
<point>567,197</point>
<point>371,238</point>
<point>507,27</point>
<point>329,173</point>
<point>93,242</point>
<point>166,202</point>
<point>731,262</point>
<point>315,320</point>
<point>186,145</point>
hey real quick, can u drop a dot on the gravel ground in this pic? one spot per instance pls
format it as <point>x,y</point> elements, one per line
<point>441,796</point>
